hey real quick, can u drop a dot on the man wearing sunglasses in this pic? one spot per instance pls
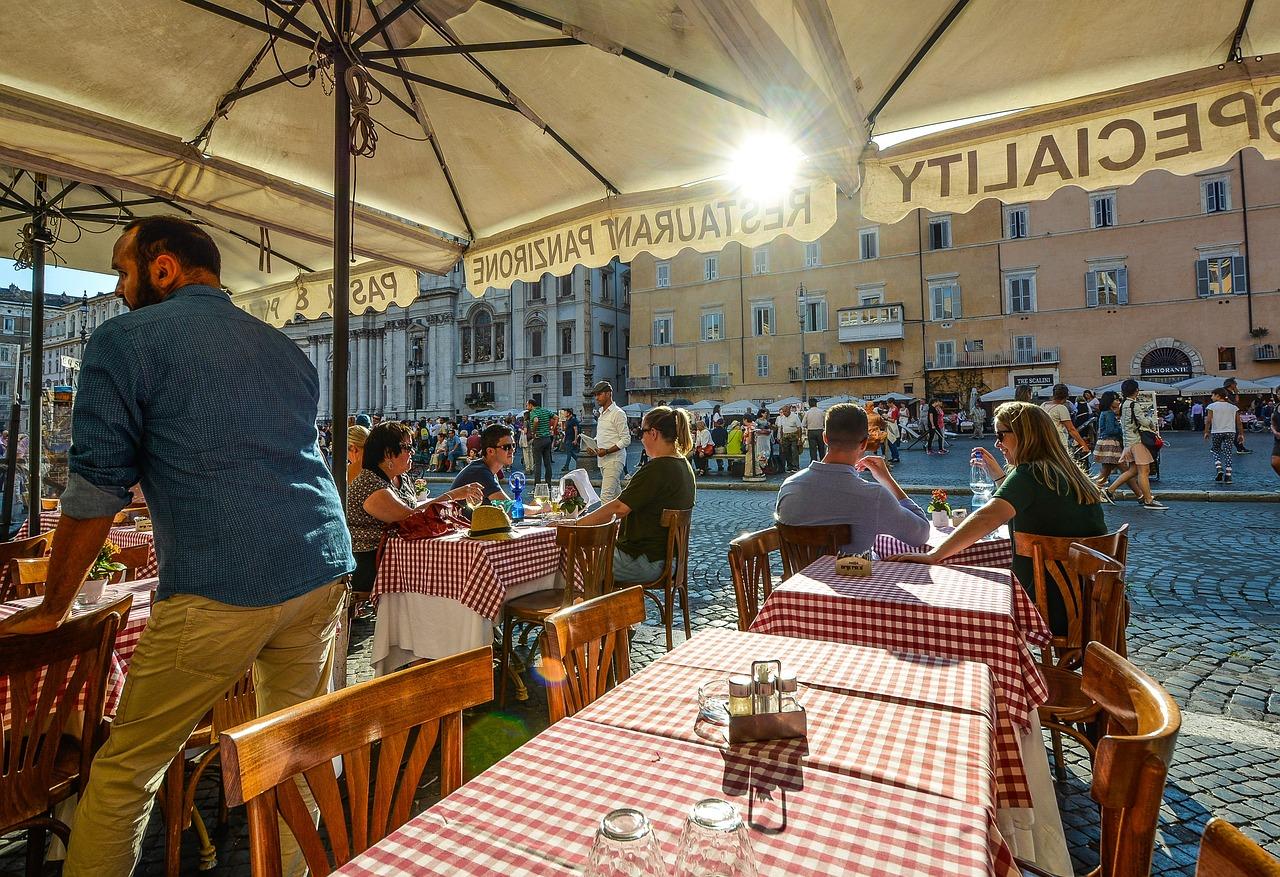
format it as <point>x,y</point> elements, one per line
<point>497,450</point>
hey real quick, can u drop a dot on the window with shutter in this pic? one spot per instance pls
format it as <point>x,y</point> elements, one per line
<point>760,261</point>
<point>663,274</point>
<point>1221,275</point>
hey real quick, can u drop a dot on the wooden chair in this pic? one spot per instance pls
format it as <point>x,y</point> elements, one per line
<point>674,580</point>
<point>1225,851</point>
<point>134,558</point>
<point>749,567</point>
<point>44,765</point>
<point>586,555</point>
<point>178,794</point>
<point>26,577</point>
<point>35,546</point>
<point>1050,558</point>
<point>801,545</point>
<point>585,646</point>
<point>1139,723</point>
<point>405,713</point>
<point>1067,708</point>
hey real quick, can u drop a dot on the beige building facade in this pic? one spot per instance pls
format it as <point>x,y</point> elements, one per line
<point>1169,278</point>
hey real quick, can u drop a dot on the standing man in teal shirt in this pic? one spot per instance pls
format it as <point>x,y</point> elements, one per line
<point>214,412</point>
<point>539,421</point>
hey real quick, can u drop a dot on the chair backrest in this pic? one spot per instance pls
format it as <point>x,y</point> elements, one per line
<point>749,566</point>
<point>586,556</point>
<point>26,577</point>
<point>1225,851</point>
<point>34,546</point>
<point>802,545</point>
<point>1050,557</point>
<point>1103,584</point>
<point>586,644</point>
<point>134,558</point>
<point>677,522</point>
<point>1140,724</point>
<point>47,674</point>
<point>264,761</point>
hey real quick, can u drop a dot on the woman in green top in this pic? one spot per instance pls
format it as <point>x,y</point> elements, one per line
<point>734,445</point>
<point>665,482</point>
<point>1041,492</point>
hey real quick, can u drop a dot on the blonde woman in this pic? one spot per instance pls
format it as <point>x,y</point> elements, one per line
<point>356,437</point>
<point>665,482</point>
<point>1041,491</point>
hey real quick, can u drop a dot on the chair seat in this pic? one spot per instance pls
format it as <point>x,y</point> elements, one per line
<point>1066,701</point>
<point>65,781</point>
<point>536,606</point>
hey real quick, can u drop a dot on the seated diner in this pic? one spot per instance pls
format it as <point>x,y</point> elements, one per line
<point>1041,491</point>
<point>665,482</point>
<point>497,451</point>
<point>382,495</point>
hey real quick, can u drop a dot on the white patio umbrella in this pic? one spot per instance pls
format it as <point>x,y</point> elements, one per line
<point>704,406</point>
<point>1209,383</point>
<point>636,409</point>
<point>824,404</point>
<point>785,400</point>
<point>738,407</point>
<point>893,397</point>
<point>1143,386</point>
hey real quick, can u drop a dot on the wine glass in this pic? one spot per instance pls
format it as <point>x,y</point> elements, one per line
<point>624,846</point>
<point>555,498</point>
<point>715,843</point>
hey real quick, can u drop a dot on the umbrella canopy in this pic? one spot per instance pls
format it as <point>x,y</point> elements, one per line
<point>705,406</point>
<point>786,400</point>
<point>738,407</point>
<point>1209,383</point>
<point>894,397</point>
<point>1006,394</point>
<point>1143,386</point>
<point>636,409</point>
<point>826,403</point>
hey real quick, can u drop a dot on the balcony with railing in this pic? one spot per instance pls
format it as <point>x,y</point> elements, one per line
<point>677,382</point>
<point>846,371</point>
<point>995,359</point>
<point>870,323</point>
<point>1266,352</point>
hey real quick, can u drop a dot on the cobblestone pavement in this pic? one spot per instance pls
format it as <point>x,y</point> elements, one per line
<point>1206,611</point>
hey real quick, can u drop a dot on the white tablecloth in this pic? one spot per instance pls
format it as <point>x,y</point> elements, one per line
<point>413,627</point>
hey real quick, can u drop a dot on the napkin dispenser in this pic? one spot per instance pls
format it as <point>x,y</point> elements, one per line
<point>853,564</point>
<point>773,717</point>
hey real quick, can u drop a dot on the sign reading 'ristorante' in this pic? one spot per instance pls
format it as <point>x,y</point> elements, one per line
<point>703,218</point>
<point>1184,125</point>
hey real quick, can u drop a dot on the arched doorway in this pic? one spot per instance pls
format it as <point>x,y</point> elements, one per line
<point>1166,364</point>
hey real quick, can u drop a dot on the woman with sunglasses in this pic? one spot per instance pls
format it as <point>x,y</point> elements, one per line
<point>382,495</point>
<point>1041,491</point>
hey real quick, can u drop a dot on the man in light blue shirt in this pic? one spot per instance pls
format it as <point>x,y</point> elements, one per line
<point>214,412</point>
<point>831,491</point>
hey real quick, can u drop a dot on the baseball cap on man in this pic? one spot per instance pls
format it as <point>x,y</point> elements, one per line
<point>602,387</point>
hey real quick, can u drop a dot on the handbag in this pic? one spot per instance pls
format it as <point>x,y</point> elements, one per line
<point>437,519</point>
<point>1150,440</point>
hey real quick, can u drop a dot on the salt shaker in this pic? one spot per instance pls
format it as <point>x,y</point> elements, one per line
<point>740,695</point>
<point>788,693</point>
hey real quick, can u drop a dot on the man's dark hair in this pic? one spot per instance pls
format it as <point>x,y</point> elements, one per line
<point>493,435</point>
<point>184,240</point>
<point>845,426</point>
<point>1128,388</point>
<point>1061,392</point>
<point>1220,391</point>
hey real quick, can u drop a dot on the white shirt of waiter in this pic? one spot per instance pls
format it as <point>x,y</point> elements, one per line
<point>611,430</point>
<point>815,418</point>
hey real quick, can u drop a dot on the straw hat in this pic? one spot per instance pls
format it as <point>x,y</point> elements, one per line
<point>490,522</point>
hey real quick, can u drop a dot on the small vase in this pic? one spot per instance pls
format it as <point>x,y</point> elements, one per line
<point>91,592</point>
<point>940,519</point>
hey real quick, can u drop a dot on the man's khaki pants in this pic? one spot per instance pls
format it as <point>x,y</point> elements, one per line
<point>611,476</point>
<point>191,652</point>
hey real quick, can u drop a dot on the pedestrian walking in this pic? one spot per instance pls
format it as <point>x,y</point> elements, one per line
<point>1110,437</point>
<point>526,449</point>
<point>936,420</point>
<point>1222,426</point>
<point>233,593</point>
<point>572,430</point>
<point>790,427</point>
<point>1233,396</point>
<point>1197,416</point>
<point>1136,456</point>
<point>1275,435</point>
<point>538,421</point>
<point>814,419</point>
<point>612,439</point>
<point>1060,414</point>
<point>893,440</point>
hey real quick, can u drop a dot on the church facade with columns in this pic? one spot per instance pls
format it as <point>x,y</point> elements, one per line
<point>451,353</point>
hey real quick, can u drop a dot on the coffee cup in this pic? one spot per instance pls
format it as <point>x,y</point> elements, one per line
<point>91,592</point>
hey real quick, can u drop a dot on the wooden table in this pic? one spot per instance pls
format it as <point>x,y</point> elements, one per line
<point>895,778</point>
<point>124,535</point>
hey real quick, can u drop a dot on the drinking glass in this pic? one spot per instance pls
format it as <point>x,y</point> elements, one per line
<point>555,498</point>
<point>625,847</point>
<point>542,493</point>
<point>715,843</point>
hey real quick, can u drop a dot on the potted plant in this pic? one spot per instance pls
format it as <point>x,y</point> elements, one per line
<point>103,568</point>
<point>571,502</point>
<point>939,509</point>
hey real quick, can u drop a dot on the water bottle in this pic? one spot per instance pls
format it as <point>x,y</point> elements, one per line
<point>517,493</point>
<point>980,483</point>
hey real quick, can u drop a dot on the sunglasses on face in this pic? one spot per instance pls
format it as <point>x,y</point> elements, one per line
<point>509,446</point>
<point>406,448</point>
<point>1001,433</point>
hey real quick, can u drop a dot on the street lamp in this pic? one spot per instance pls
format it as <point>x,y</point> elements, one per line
<point>804,359</point>
<point>84,331</point>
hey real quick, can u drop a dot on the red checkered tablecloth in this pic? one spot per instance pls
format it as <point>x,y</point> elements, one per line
<point>475,572</point>
<point>126,638</point>
<point>125,537</point>
<point>967,613</point>
<point>997,551</point>
<point>535,812</point>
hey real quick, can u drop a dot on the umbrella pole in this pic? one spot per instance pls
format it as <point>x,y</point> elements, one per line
<point>34,455</point>
<point>11,454</point>
<point>341,264</point>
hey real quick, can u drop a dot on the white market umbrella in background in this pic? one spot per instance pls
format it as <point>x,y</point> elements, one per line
<point>894,397</point>
<point>738,408</point>
<point>824,404</point>
<point>636,409</point>
<point>785,400</point>
<point>1143,387</point>
<point>705,406</point>
<point>1209,383</point>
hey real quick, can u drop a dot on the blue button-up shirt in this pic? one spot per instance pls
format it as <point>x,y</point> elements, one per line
<point>214,412</point>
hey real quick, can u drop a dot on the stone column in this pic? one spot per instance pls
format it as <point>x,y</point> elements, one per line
<point>355,371</point>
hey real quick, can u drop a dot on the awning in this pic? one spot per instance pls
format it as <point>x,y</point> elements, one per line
<point>374,286</point>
